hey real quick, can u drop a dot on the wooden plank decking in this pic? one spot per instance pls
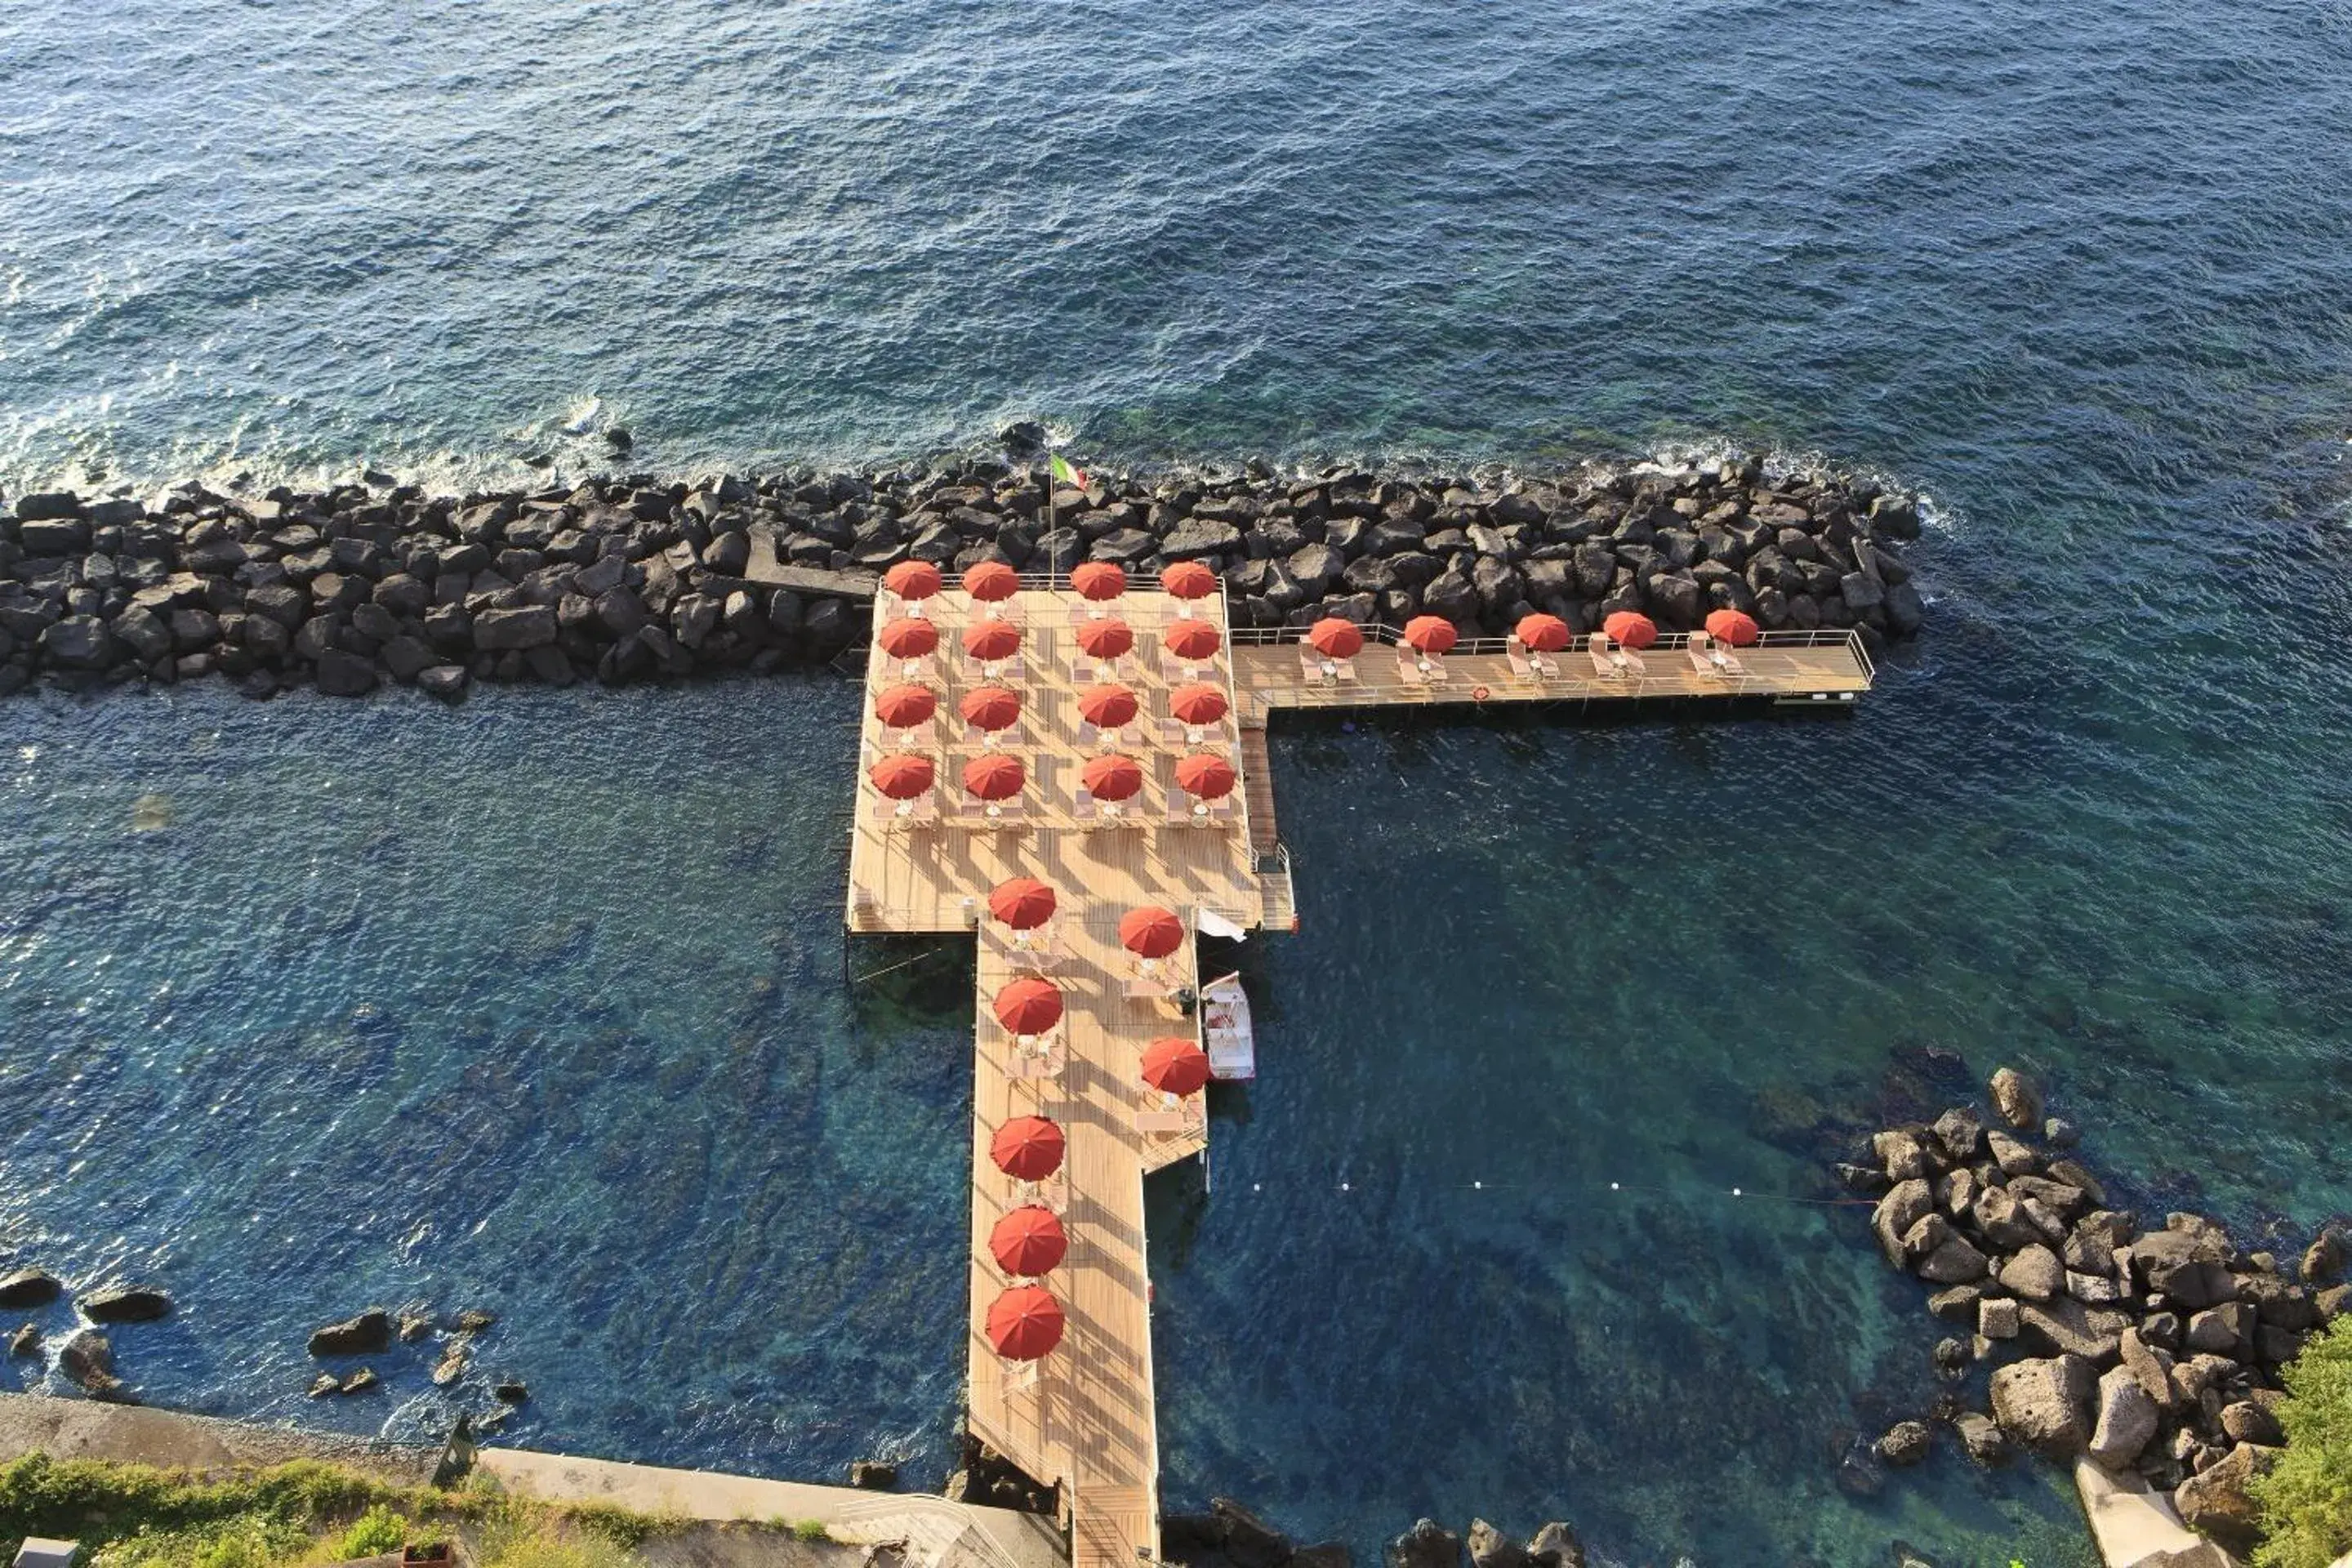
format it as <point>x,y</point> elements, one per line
<point>1269,677</point>
<point>1084,1416</point>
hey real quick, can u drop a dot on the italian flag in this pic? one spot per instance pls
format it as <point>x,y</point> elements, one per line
<point>1064,474</point>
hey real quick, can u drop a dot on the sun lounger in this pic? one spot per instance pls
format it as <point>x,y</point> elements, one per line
<point>1126,738</point>
<point>1612,662</point>
<point>1710,657</point>
<point>1421,668</point>
<point>1161,1123</point>
<point>919,812</point>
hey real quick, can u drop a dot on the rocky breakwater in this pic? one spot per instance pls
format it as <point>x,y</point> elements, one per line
<point>2153,1350</point>
<point>633,579</point>
<point>1230,1536</point>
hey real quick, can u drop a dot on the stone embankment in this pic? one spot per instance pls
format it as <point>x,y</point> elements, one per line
<point>634,579</point>
<point>2152,1351</point>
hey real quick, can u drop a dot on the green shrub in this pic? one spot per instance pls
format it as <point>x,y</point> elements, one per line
<point>519,1544</point>
<point>812,1529</point>
<point>373,1534</point>
<point>2307,1498</point>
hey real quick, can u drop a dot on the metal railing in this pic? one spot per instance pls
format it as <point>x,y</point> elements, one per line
<point>1387,636</point>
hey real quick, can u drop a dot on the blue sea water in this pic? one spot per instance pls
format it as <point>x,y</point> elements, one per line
<point>538,1005</point>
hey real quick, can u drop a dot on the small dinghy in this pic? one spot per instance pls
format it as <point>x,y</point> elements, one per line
<point>1225,1029</point>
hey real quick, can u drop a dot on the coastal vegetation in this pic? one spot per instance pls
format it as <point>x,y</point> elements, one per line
<point>2306,1498</point>
<point>298,1513</point>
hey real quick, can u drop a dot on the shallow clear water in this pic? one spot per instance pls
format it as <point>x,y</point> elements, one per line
<point>538,1004</point>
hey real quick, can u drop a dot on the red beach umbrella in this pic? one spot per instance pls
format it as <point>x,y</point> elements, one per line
<point>1191,640</point>
<point>902,777</point>
<point>989,641</point>
<point>908,638</point>
<point>1098,580</point>
<point>1151,932</point>
<point>1107,707</point>
<point>1197,704</point>
<point>1174,1064</point>
<point>1024,1324</point>
<point>991,707</point>
<point>912,579</point>
<point>990,581</point>
<point>994,776</point>
<point>1028,1240</point>
<point>904,707</point>
<point>1027,1148</point>
<point>1106,638</point>
<point>1335,639</point>
<point>1429,634</point>
<point>1630,629</point>
<point>1205,775</point>
<point>1543,634</point>
<point>1737,627</point>
<point>1024,903</point>
<point>1188,580</point>
<point>1111,778</point>
<point>1029,1006</point>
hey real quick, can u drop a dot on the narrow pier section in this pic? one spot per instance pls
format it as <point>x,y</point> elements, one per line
<point>1826,669</point>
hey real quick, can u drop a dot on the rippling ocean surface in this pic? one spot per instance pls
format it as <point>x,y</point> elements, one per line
<point>538,1005</point>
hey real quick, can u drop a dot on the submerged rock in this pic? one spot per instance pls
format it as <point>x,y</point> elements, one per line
<point>1905,1443</point>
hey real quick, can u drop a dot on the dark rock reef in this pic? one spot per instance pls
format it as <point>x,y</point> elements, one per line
<point>2153,1352</point>
<point>348,589</point>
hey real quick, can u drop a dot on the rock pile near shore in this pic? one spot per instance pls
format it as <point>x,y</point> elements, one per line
<point>632,579</point>
<point>2154,1351</point>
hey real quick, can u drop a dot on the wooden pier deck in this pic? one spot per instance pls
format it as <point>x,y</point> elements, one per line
<point>1827,668</point>
<point>1084,1416</point>
<point>1085,1419</point>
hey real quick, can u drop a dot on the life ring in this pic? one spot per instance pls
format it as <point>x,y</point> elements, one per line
<point>1479,694</point>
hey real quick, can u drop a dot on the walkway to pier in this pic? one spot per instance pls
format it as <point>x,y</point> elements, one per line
<point>1084,1416</point>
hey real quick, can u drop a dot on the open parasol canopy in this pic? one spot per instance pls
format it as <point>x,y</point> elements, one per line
<point>1429,634</point>
<point>1151,932</point>
<point>912,579</point>
<point>908,637</point>
<point>902,777</point>
<point>1028,1241</point>
<point>1107,707</point>
<point>1191,640</point>
<point>1543,634</point>
<point>989,707</point>
<point>1188,580</point>
<point>991,582</point>
<point>1206,775</point>
<point>1112,777</point>
<point>1174,1064</point>
<point>1197,704</point>
<point>1024,903</point>
<point>1098,580</point>
<point>904,707</point>
<point>989,641</point>
<point>1630,629</point>
<point>1335,639</point>
<point>1029,1006</point>
<point>1737,627</point>
<point>1106,638</point>
<point>1027,1148</point>
<point>1025,1322</point>
<point>994,776</point>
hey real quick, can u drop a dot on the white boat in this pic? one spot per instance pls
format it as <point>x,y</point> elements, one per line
<point>1225,1026</point>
